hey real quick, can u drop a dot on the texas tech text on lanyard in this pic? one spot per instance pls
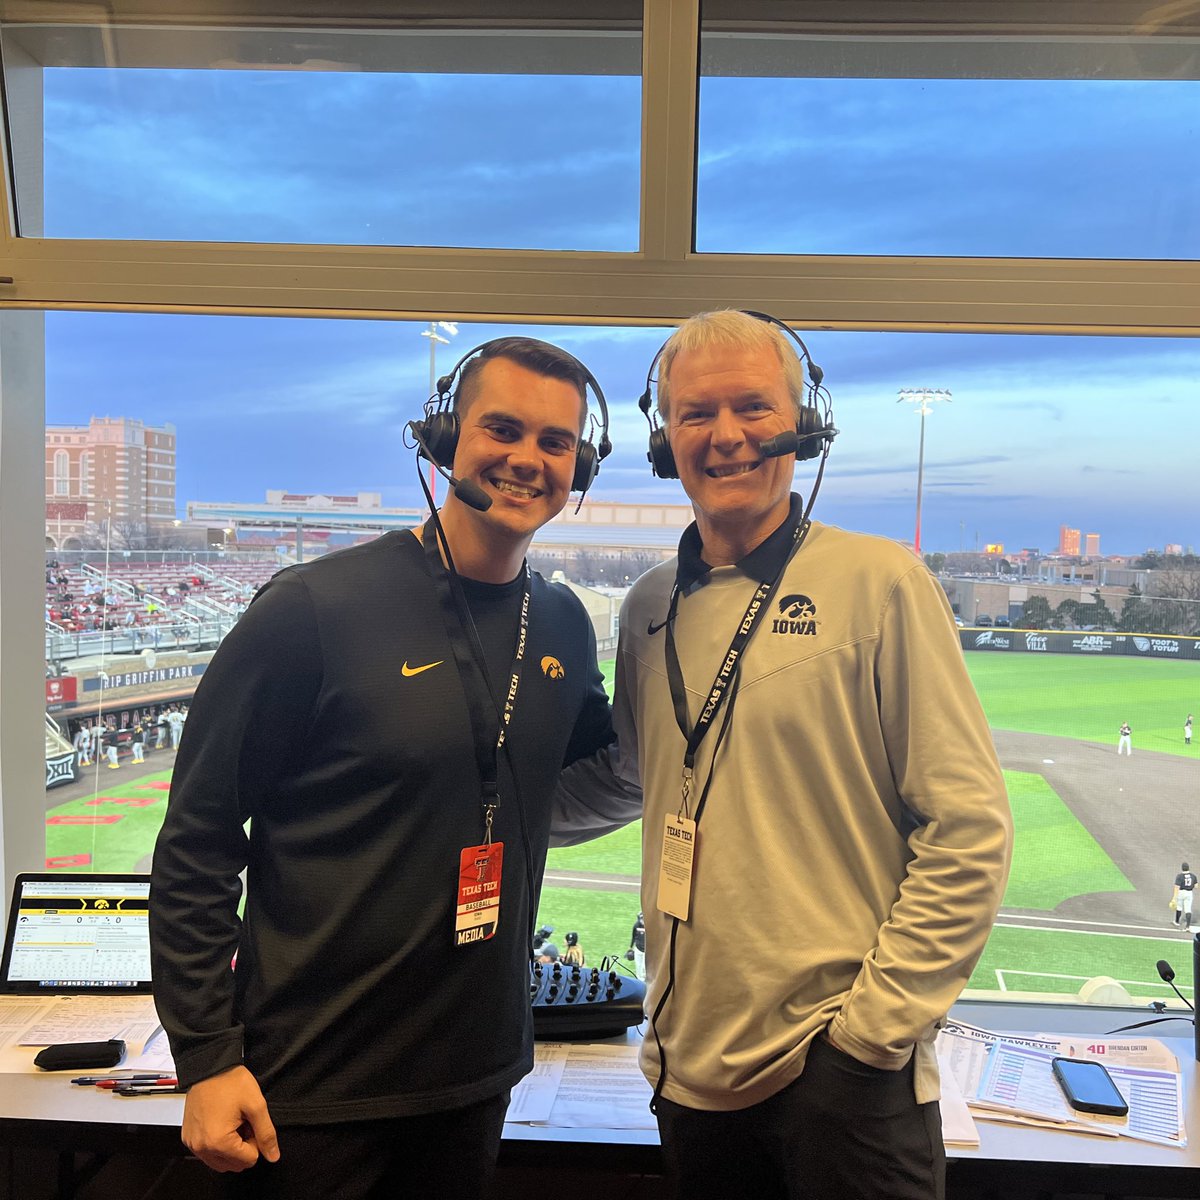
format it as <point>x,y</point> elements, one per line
<point>726,679</point>
<point>488,727</point>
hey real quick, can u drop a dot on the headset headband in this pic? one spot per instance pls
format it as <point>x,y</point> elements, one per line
<point>814,431</point>
<point>438,432</point>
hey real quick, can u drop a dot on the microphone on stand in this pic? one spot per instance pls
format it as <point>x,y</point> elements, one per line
<point>1167,975</point>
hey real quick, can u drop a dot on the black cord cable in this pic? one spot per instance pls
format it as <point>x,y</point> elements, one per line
<point>662,1003</point>
<point>481,659</point>
<point>1152,1021</point>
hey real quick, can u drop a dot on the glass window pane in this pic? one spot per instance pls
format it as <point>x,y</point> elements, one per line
<point>1037,508</point>
<point>947,143</point>
<point>402,138</point>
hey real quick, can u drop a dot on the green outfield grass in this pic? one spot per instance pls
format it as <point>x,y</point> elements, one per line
<point>608,668</point>
<point>617,853</point>
<point>1016,960</point>
<point>1072,695</point>
<point>1055,857</point>
<point>1036,960</point>
<point>603,920</point>
<point>1075,696</point>
<point>123,844</point>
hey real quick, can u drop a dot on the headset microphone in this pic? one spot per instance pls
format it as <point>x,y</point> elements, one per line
<point>789,442</point>
<point>469,493</point>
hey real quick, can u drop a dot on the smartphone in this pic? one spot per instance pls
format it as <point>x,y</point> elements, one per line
<point>1088,1087</point>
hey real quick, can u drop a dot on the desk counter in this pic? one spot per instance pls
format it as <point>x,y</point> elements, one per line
<point>46,1110</point>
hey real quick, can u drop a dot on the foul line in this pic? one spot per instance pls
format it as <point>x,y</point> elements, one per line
<point>1059,922</point>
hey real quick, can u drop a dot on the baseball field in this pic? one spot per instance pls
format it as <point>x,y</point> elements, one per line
<point>1099,837</point>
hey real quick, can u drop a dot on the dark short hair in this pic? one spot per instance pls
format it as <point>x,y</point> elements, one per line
<point>543,358</point>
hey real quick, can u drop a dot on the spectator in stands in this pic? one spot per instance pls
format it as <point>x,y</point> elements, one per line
<point>138,593</point>
<point>184,587</point>
<point>375,1016</point>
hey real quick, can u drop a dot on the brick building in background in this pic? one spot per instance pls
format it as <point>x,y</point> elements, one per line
<point>113,468</point>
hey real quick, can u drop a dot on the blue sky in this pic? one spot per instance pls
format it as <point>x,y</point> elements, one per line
<point>1042,431</point>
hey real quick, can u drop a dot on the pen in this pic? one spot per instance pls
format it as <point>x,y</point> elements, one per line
<point>140,1081</point>
<point>148,1089</point>
<point>97,1079</point>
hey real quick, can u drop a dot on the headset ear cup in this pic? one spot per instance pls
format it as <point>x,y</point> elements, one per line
<point>440,431</point>
<point>661,456</point>
<point>809,423</point>
<point>587,467</point>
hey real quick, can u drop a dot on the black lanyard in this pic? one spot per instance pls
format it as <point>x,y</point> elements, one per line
<point>725,684</point>
<point>489,725</point>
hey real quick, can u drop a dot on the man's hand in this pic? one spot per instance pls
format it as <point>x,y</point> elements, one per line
<point>226,1124</point>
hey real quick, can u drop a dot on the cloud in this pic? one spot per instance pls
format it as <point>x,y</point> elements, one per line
<point>371,159</point>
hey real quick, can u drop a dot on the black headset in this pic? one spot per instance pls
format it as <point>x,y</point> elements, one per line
<point>437,434</point>
<point>814,431</point>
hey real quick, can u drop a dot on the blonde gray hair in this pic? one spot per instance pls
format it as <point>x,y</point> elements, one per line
<point>728,327</point>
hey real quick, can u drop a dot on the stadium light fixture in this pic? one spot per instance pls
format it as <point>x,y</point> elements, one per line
<point>924,399</point>
<point>434,334</point>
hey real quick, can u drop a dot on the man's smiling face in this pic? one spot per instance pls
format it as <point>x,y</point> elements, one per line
<point>518,435</point>
<point>724,402</point>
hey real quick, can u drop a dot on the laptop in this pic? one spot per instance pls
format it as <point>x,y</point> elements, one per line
<point>76,961</point>
<point>77,934</point>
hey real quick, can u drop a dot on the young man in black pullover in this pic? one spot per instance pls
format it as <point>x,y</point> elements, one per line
<point>378,1014</point>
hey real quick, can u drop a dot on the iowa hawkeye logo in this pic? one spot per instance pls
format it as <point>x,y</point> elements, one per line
<point>797,614</point>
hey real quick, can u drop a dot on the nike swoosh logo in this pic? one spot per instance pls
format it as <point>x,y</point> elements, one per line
<point>652,629</point>
<point>408,672</point>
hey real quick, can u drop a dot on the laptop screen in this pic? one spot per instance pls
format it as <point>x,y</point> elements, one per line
<point>77,933</point>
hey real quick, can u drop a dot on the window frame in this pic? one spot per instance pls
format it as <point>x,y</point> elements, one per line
<point>663,282</point>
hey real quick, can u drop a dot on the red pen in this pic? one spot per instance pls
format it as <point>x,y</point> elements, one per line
<point>143,1082</point>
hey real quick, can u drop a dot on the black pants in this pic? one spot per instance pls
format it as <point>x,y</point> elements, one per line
<point>450,1155</point>
<point>842,1131</point>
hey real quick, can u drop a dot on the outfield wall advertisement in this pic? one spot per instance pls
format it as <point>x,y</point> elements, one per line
<point>1049,641</point>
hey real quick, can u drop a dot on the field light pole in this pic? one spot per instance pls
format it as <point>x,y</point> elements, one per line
<point>434,338</point>
<point>923,398</point>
